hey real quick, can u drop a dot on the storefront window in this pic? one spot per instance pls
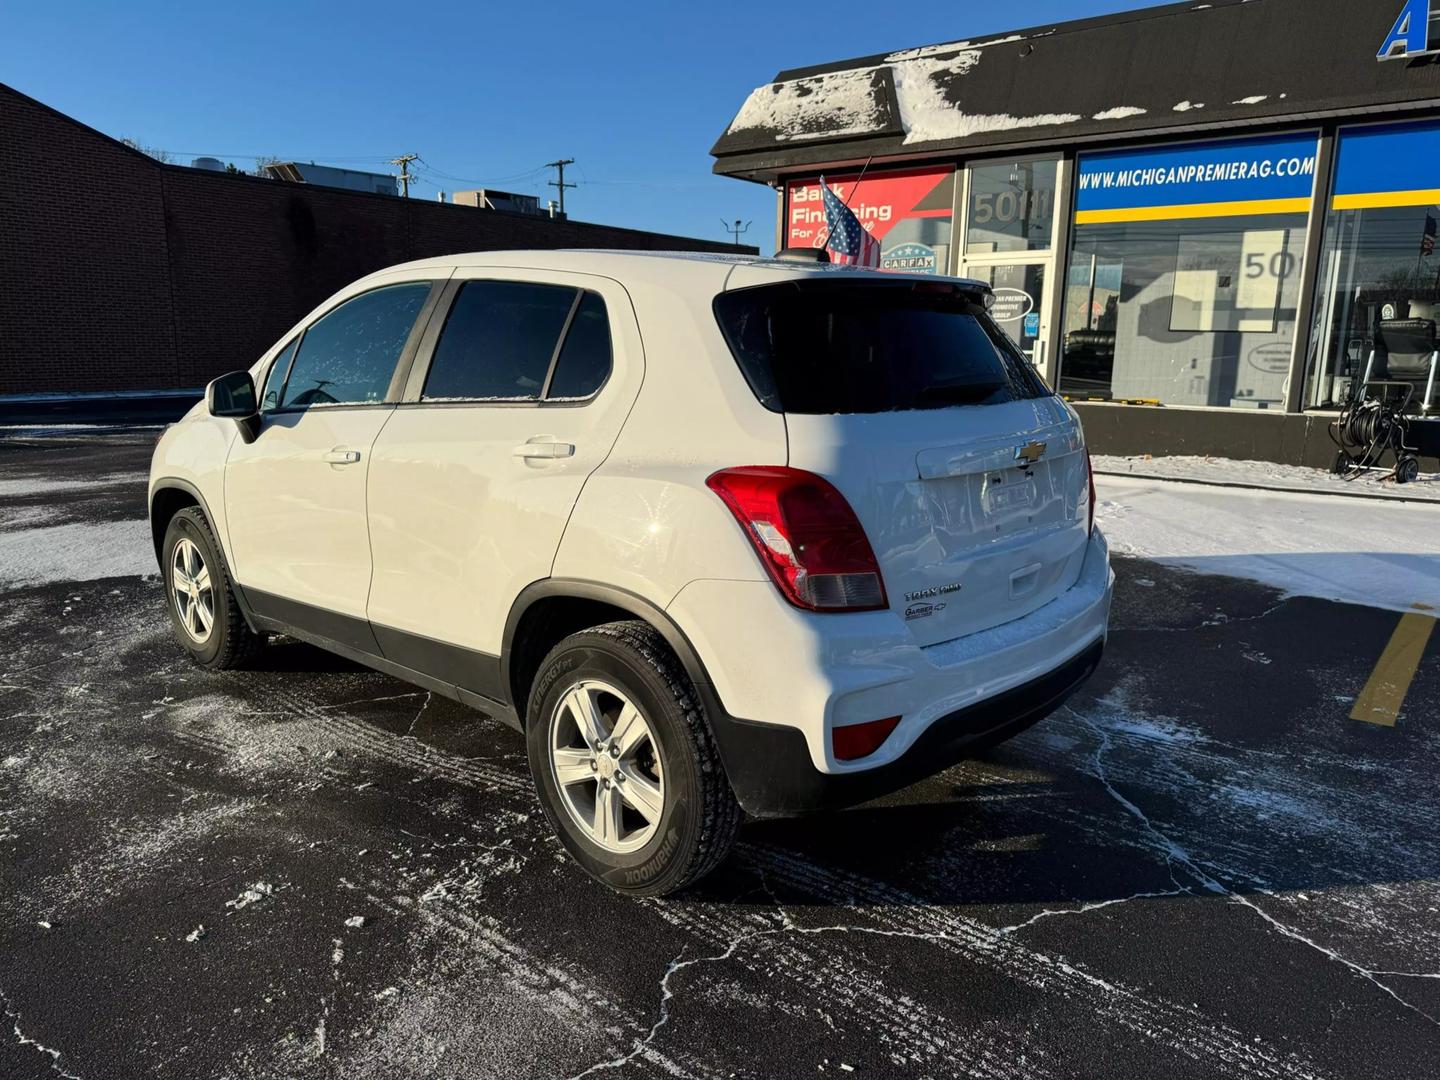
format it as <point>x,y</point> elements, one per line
<point>1011,207</point>
<point>1185,272</point>
<point>1019,291</point>
<point>1379,280</point>
<point>908,212</point>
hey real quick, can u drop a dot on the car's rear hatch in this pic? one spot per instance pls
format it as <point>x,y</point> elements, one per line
<point>968,476</point>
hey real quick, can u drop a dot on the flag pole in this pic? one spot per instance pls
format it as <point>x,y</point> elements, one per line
<point>856,187</point>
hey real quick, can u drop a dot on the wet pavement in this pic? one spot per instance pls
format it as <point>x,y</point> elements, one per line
<point>1201,867</point>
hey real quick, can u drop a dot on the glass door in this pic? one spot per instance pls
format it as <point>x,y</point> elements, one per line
<point>1009,243</point>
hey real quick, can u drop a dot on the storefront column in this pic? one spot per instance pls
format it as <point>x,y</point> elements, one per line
<point>1310,272</point>
<point>1064,184</point>
<point>779,218</point>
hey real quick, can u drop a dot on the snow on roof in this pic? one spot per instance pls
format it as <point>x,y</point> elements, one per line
<point>825,106</point>
<point>1178,67</point>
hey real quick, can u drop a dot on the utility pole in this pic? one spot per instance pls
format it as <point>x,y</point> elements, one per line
<point>406,176</point>
<point>736,228</point>
<point>560,183</point>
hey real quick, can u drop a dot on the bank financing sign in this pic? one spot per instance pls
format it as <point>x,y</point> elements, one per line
<point>1231,178</point>
<point>1411,35</point>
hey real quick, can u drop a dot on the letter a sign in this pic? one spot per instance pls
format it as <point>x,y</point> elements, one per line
<point>1410,36</point>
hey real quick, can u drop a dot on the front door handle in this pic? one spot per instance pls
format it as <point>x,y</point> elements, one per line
<point>546,448</point>
<point>342,457</point>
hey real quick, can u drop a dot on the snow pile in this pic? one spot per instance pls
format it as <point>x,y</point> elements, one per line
<point>1375,553</point>
<point>79,551</point>
<point>1268,475</point>
<point>253,895</point>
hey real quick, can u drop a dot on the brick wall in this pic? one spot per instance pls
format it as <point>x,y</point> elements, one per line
<point>119,273</point>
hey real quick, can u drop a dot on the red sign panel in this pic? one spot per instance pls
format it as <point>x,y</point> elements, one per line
<point>908,212</point>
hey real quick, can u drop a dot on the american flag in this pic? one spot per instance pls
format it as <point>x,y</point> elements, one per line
<point>1427,239</point>
<point>849,242</point>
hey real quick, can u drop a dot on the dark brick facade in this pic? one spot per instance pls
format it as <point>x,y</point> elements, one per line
<point>120,273</point>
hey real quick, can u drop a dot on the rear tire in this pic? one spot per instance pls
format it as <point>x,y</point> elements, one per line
<point>646,752</point>
<point>207,621</point>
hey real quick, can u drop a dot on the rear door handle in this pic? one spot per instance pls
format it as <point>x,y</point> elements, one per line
<point>544,447</point>
<point>342,457</point>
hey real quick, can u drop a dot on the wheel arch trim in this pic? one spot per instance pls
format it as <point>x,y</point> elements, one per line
<point>176,483</point>
<point>639,606</point>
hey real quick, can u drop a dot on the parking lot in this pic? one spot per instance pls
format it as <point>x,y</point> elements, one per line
<point>1200,867</point>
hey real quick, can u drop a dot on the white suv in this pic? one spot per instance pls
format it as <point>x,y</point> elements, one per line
<point>716,534</point>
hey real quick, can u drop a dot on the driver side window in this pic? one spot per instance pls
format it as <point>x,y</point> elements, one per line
<point>349,355</point>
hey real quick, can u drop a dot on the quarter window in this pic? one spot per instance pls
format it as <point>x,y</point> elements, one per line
<point>584,361</point>
<point>349,356</point>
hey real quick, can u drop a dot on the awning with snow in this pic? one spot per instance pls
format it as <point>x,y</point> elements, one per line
<point>1177,68</point>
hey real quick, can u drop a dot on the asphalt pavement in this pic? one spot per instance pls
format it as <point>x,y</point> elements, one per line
<point>1202,867</point>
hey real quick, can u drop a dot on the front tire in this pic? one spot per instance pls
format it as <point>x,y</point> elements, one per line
<point>625,763</point>
<point>207,621</point>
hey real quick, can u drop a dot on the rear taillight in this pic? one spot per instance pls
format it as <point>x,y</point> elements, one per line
<point>806,535</point>
<point>1090,478</point>
<point>855,741</point>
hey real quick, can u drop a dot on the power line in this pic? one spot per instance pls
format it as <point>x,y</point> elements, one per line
<point>559,167</point>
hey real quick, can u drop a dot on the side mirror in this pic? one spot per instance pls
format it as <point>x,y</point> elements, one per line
<point>232,395</point>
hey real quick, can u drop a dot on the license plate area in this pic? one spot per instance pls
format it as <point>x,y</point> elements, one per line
<point>1007,493</point>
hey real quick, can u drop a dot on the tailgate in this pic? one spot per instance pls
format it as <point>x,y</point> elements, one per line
<point>977,514</point>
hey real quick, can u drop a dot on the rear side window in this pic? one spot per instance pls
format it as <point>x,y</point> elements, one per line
<point>349,356</point>
<point>499,340</point>
<point>584,361</point>
<point>822,347</point>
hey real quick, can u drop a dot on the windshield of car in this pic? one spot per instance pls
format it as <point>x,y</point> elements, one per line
<point>845,347</point>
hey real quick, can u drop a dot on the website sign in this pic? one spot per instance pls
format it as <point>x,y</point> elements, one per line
<point>1272,175</point>
<point>1389,165</point>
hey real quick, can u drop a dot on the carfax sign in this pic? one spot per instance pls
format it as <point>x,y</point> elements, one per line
<point>1272,175</point>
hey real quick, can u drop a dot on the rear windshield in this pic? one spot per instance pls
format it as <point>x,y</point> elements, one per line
<point>822,347</point>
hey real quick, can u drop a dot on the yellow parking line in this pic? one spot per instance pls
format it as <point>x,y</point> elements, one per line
<point>1380,701</point>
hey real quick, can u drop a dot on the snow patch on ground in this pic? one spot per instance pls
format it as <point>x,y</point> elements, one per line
<point>80,551</point>
<point>46,485</point>
<point>1267,474</point>
<point>1374,553</point>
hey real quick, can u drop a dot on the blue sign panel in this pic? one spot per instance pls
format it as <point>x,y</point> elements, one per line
<point>1394,165</point>
<point>1274,175</point>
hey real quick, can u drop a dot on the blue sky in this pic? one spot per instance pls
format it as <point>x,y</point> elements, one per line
<point>637,93</point>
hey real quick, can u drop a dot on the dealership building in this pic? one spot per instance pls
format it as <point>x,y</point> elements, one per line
<point>1204,223</point>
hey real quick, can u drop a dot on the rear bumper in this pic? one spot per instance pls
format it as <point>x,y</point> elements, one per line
<point>772,775</point>
<point>777,695</point>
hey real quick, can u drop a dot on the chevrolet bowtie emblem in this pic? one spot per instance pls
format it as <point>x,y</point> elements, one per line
<point>1030,453</point>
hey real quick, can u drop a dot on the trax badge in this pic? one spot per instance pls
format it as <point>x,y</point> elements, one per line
<point>1030,453</point>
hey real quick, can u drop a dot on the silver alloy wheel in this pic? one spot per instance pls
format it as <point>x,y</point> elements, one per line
<point>607,767</point>
<point>192,590</point>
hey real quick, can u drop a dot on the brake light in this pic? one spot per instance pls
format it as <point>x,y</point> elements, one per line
<point>855,741</point>
<point>807,536</point>
<point>1090,474</point>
